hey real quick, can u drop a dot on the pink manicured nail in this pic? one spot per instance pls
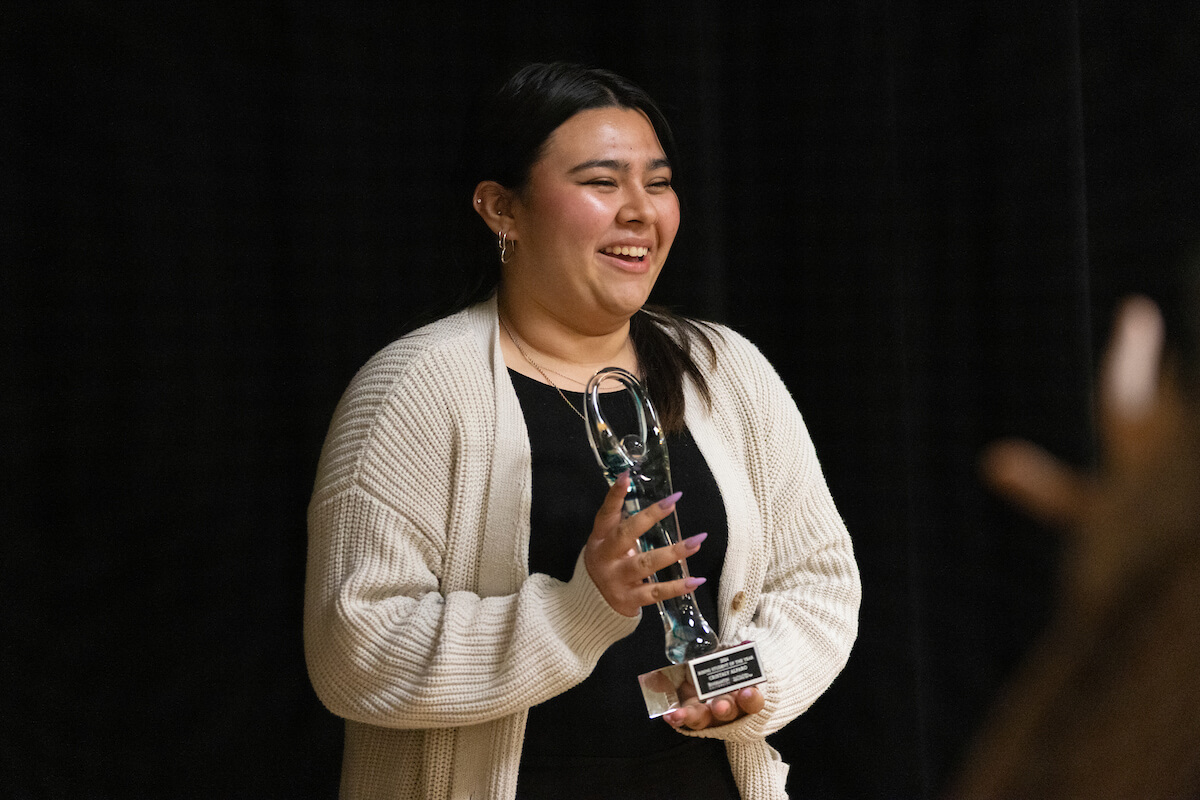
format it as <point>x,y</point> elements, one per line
<point>669,501</point>
<point>692,583</point>
<point>692,543</point>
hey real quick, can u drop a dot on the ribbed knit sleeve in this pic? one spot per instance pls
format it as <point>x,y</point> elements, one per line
<point>799,600</point>
<point>393,636</point>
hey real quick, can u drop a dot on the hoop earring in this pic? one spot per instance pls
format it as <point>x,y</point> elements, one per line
<point>502,245</point>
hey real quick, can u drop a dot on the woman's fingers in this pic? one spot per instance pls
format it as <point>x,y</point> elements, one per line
<point>623,580</point>
<point>619,534</point>
<point>751,701</point>
<point>724,708</point>
<point>638,567</point>
<point>645,593</point>
<point>717,711</point>
<point>642,565</point>
<point>608,518</point>
<point>693,714</point>
<point>617,566</point>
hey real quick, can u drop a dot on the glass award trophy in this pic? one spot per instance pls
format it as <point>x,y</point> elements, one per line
<point>698,665</point>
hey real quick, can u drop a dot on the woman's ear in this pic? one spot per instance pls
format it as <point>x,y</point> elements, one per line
<point>493,203</point>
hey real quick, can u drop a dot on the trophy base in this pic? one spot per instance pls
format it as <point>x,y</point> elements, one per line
<point>717,673</point>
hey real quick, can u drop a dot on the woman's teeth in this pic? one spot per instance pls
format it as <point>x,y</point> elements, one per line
<point>632,252</point>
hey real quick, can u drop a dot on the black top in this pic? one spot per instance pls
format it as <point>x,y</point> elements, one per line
<point>597,733</point>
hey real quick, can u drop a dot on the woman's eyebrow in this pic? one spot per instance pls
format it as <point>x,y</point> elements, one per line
<point>619,165</point>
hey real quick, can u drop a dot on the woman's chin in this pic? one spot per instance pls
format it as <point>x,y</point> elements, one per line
<point>626,306</point>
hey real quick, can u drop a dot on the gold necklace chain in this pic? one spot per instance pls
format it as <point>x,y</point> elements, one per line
<point>541,371</point>
<point>568,377</point>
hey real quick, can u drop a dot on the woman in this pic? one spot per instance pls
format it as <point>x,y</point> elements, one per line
<point>478,639</point>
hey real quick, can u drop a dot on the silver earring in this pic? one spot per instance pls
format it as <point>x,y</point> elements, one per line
<point>502,246</point>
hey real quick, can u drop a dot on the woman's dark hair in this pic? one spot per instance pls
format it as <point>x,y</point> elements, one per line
<point>511,136</point>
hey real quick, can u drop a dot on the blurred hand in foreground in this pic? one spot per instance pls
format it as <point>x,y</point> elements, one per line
<point>1143,496</point>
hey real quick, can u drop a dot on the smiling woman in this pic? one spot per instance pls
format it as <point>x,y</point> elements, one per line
<point>591,230</point>
<point>475,594</point>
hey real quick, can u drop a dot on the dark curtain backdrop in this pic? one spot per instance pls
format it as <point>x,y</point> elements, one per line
<point>921,211</point>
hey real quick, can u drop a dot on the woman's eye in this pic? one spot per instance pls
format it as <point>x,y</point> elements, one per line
<point>602,182</point>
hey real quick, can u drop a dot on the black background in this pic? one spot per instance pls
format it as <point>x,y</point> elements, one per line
<point>923,212</point>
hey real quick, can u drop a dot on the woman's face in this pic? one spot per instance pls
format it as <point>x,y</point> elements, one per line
<point>595,221</point>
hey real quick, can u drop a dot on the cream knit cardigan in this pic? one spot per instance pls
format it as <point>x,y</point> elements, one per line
<point>422,626</point>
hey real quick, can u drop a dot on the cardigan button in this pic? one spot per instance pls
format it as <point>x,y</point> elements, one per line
<point>739,600</point>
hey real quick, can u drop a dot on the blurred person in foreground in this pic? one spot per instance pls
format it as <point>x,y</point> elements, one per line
<point>1108,701</point>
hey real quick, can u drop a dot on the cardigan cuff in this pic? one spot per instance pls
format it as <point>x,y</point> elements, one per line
<point>583,620</point>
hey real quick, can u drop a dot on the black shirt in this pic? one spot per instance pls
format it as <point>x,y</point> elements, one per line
<point>598,732</point>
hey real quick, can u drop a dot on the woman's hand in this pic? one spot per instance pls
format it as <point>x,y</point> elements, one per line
<point>717,711</point>
<point>616,565</point>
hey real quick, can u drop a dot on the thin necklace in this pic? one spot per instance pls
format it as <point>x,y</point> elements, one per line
<point>541,371</point>
<point>568,377</point>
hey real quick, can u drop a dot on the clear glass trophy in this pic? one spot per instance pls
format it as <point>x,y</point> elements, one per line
<point>692,646</point>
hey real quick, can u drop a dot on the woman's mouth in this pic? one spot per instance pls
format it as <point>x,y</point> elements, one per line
<point>627,253</point>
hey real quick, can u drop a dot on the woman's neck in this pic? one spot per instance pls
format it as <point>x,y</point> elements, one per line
<point>551,349</point>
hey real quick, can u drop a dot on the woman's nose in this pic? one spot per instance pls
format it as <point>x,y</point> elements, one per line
<point>638,207</point>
